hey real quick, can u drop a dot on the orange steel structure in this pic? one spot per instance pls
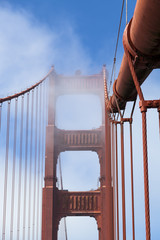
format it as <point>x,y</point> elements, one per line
<point>61,203</point>
<point>142,54</point>
<point>141,40</point>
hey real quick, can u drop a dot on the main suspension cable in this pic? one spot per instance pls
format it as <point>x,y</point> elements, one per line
<point>26,90</point>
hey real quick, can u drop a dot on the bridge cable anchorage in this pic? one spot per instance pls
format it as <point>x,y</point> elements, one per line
<point>144,135</point>
<point>20,168</point>
<point>61,180</point>
<point>30,166</point>
<point>13,170</point>
<point>35,165</point>
<point>26,169</point>
<point>39,152</point>
<point>6,173</point>
<point>117,41</point>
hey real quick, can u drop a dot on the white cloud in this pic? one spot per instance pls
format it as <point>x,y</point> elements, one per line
<point>28,49</point>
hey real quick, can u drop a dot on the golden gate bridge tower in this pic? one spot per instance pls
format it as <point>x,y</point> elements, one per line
<point>61,203</point>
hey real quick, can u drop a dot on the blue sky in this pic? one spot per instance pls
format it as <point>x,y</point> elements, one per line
<point>73,34</point>
<point>96,23</point>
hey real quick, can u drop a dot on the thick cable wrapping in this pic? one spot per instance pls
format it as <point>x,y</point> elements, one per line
<point>6,173</point>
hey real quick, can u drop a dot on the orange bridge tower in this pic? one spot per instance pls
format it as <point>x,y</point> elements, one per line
<point>62,203</point>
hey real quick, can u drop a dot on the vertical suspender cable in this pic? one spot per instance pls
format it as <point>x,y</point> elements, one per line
<point>6,174</point>
<point>159,119</point>
<point>60,171</point>
<point>30,167</point>
<point>131,158</point>
<point>35,167</point>
<point>113,172</point>
<point>145,153</point>
<point>26,167</point>
<point>13,170</point>
<point>39,154</point>
<point>126,12</point>
<point>132,184</point>
<point>0,115</point>
<point>123,183</point>
<point>146,179</point>
<point>44,113</point>
<point>117,190</point>
<point>114,175</point>
<point>115,54</point>
<point>20,171</point>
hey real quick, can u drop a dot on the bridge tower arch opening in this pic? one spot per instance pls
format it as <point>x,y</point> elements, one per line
<point>75,109</point>
<point>80,170</point>
<point>79,228</point>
